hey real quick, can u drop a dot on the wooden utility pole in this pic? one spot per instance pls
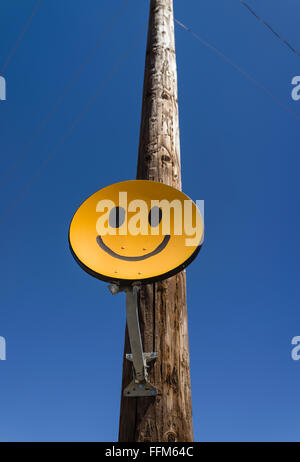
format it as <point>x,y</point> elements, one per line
<point>162,306</point>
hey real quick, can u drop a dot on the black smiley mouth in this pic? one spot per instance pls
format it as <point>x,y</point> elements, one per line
<point>158,249</point>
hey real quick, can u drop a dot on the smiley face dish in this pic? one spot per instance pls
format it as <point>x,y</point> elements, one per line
<point>136,230</point>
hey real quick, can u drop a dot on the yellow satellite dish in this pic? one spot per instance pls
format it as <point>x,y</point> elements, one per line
<point>136,230</point>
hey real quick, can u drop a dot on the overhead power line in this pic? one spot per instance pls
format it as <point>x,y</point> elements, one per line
<point>239,69</point>
<point>67,134</point>
<point>20,36</point>
<point>64,93</point>
<point>269,27</point>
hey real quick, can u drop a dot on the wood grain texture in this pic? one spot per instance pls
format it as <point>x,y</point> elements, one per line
<point>162,306</point>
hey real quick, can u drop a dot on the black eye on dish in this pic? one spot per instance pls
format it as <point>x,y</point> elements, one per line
<point>116,217</point>
<point>155,216</point>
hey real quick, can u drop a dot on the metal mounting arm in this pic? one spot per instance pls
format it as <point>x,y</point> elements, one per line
<point>134,332</point>
<point>139,386</point>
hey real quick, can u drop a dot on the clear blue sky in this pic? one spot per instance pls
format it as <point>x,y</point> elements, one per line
<point>240,152</point>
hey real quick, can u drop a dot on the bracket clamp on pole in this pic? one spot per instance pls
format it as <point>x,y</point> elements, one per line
<point>139,386</point>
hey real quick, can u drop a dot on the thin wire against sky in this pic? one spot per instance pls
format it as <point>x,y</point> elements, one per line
<point>19,39</point>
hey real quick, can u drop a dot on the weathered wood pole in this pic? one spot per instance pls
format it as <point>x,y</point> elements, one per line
<point>162,306</point>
